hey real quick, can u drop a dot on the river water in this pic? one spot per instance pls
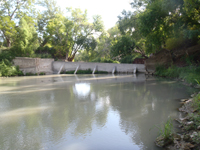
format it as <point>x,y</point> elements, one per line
<point>86,112</point>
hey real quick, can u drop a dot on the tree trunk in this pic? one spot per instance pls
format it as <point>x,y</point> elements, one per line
<point>8,42</point>
<point>71,58</point>
<point>66,57</point>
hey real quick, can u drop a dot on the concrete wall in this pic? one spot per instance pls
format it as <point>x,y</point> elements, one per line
<point>34,65</point>
<point>121,68</point>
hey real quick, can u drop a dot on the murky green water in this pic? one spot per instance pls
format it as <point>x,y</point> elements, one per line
<point>70,112</point>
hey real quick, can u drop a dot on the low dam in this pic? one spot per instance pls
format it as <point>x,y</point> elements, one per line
<point>49,66</point>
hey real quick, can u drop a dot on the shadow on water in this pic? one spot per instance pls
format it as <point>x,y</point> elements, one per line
<point>85,111</point>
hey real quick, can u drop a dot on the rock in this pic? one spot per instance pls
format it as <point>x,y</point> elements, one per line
<point>188,146</point>
<point>183,100</point>
<point>186,137</point>
<point>162,142</point>
<point>189,100</point>
<point>190,123</point>
<point>194,134</point>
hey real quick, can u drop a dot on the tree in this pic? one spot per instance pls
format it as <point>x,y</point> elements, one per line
<point>51,11</point>
<point>122,46</point>
<point>26,38</point>
<point>129,26</point>
<point>72,34</point>
<point>9,10</point>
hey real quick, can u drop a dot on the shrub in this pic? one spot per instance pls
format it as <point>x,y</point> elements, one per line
<point>30,74</point>
<point>104,60</point>
<point>128,59</point>
<point>42,73</point>
<point>101,72</point>
<point>6,69</point>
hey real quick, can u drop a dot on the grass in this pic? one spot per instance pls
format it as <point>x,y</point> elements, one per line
<point>30,74</point>
<point>190,74</point>
<point>196,102</point>
<point>101,72</point>
<point>166,130</point>
<point>42,73</point>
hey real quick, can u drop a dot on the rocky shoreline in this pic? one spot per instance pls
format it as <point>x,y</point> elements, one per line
<point>189,138</point>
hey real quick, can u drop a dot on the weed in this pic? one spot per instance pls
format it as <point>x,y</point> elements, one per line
<point>68,72</point>
<point>166,131</point>
<point>30,74</point>
<point>198,82</point>
<point>87,71</point>
<point>101,72</point>
<point>42,73</point>
<point>189,74</point>
<point>196,102</point>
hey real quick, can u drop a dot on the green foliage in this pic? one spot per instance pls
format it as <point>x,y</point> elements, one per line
<point>196,138</point>
<point>104,60</point>
<point>101,72</point>
<point>30,74</point>
<point>87,71</point>
<point>196,103</point>
<point>5,54</point>
<point>128,59</point>
<point>7,26</point>
<point>45,52</point>
<point>166,131</point>
<point>198,82</point>
<point>189,74</point>
<point>67,72</point>
<point>122,46</point>
<point>26,38</point>
<point>42,73</point>
<point>173,43</point>
<point>10,12</point>
<point>6,69</point>
<point>172,72</point>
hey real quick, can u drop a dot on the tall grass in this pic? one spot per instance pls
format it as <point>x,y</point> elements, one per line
<point>190,74</point>
<point>166,131</point>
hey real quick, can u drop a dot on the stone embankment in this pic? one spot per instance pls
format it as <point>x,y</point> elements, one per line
<point>189,137</point>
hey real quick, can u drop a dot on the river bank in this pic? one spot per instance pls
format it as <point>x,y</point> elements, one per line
<point>189,137</point>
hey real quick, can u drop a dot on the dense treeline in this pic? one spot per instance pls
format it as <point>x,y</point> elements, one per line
<point>27,31</point>
<point>39,28</point>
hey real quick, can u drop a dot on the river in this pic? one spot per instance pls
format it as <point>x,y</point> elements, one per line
<point>86,112</point>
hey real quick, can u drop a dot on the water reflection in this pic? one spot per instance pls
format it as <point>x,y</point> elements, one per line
<point>105,112</point>
<point>81,89</point>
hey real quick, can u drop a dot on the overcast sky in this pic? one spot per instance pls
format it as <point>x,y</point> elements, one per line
<point>108,9</point>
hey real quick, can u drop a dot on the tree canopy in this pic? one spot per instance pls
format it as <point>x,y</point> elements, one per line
<point>39,28</point>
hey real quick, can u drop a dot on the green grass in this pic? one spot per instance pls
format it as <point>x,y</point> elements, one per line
<point>42,73</point>
<point>101,72</point>
<point>30,74</point>
<point>190,74</point>
<point>196,102</point>
<point>166,131</point>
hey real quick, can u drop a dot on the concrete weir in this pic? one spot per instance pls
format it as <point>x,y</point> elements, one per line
<point>109,67</point>
<point>49,66</point>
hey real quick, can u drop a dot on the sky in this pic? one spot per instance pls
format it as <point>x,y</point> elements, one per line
<point>107,9</point>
